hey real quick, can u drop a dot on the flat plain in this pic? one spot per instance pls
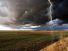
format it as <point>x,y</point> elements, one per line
<point>29,40</point>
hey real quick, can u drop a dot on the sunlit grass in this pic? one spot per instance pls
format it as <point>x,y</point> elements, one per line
<point>28,40</point>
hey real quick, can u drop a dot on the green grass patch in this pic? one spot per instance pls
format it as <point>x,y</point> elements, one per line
<point>26,41</point>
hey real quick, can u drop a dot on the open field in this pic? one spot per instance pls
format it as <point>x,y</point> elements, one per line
<point>29,40</point>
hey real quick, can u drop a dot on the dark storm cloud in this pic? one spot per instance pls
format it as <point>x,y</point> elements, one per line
<point>60,10</point>
<point>26,11</point>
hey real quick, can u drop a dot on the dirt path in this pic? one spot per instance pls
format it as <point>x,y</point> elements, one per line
<point>61,45</point>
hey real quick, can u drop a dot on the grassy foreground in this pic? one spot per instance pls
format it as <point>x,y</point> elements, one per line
<point>28,40</point>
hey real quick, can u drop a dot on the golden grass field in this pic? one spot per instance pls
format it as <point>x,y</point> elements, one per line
<point>33,40</point>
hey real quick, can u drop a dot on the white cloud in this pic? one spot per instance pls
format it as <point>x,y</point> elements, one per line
<point>2,27</point>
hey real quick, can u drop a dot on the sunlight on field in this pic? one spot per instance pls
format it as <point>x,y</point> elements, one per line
<point>29,40</point>
<point>61,45</point>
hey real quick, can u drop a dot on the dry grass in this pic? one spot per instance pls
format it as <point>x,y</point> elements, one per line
<point>29,40</point>
<point>61,45</point>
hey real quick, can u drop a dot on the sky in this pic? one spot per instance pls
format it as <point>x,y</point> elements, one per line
<point>51,25</point>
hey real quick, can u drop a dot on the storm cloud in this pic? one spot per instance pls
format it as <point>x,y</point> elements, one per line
<point>25,11</point>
